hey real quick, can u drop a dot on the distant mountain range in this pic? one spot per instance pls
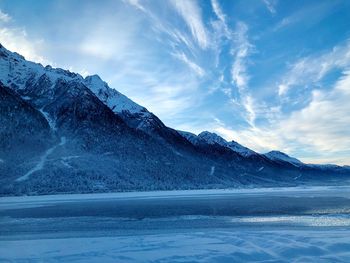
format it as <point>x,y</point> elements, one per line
<point>62,133</point>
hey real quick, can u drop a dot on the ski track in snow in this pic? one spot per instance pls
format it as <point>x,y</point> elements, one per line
<point>41,163</point>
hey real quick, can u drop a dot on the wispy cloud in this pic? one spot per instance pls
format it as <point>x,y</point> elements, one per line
<point>218,12</point>
<point>324,123</point>
<point>191,14</point>
<point>136,3</point>
<point>309,15</point>
<point>312,69</point>
<point>4,17</point>
<point>240,77</point>
<point>160,90</point>
<point>270,5</point>
<point>197,65</point>
<point>197,69</point>
<point>16,39</point>
<point>321,128</point>
<point>240,50</point>
<point>318,129</point>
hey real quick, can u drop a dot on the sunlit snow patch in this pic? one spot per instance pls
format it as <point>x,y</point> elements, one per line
<point>314,221</point>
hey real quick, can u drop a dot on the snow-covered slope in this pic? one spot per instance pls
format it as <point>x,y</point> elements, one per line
<point>35,83</point>
<point>210,138</point>
<point>280,156</point>
<point>133,114</point>
<point>17,72</point>
<point>20,75</point>
<point>110,142</point>
<point>112,98</point>
<point>191,137</point>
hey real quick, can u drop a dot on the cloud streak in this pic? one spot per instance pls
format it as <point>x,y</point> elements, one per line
<point>16,39</point>
<point>209,65</point>
<point>191,14</point>
<point>5,18</point>
<point>312,69</point>
<point>197,69</point>
<point>270,5</point>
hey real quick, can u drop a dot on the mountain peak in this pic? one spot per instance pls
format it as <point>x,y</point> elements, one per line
<point>111,97</point>
<point>280,156</point>
<point>212,138</point>
<point>94,77</point>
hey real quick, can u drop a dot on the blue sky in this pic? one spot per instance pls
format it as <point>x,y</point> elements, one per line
<point>270,74</point>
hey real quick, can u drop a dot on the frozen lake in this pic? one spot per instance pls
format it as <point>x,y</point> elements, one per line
<point>272,225</point>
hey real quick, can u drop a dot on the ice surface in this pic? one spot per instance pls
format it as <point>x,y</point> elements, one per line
<point>310,224</point>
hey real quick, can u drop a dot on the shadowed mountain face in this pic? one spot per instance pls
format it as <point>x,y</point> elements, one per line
<point>61,132</point>
<point>23,129</point>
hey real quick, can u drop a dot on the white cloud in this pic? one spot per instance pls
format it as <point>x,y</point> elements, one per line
<point>84,73</point>
<point>103,44</point>
<point>166,32</point>
<point>319,132</point>
<point>16,39</point>
<point>161,91</point>
<point>282,89</point>
<point>197,69</point>
<point>240,52</point>
<point>136,3</point>
<point>270,5</point>
<point>5,18</point>
<point>312,14</point>
<point>324,123</point>
<point>321,128</point>
<point>256,139</point>
<point>249,105</point>
<point>191,14</point>
<point>240,77</point>
<point>218,12</point>
<point>312,69</point>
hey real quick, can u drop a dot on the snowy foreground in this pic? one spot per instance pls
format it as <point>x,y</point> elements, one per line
<point>273,225</point>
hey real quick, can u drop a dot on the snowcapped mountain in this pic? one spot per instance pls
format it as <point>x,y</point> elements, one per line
<point>133,114</point>
<point>112,98</point>
<point>24,77</point>
<point>280,156</point>
<point>210,138</point>
<point>60,132</point>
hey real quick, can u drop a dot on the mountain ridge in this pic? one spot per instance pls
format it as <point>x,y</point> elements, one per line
<point>113,144</point>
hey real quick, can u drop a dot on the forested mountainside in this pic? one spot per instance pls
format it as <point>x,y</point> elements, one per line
<point>60,133</point>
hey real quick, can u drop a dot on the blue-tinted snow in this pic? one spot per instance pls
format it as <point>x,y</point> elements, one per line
<point>280,224</point>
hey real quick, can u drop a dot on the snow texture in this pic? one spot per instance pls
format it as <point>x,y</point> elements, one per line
<point>49,236</point>
<point>209,246</point>
<point>40,165</point>
<point>212,139</point>
<point>280,156</point>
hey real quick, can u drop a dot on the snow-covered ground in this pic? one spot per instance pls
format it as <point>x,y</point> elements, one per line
<point>194,246</point>
<point>261,225</point>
